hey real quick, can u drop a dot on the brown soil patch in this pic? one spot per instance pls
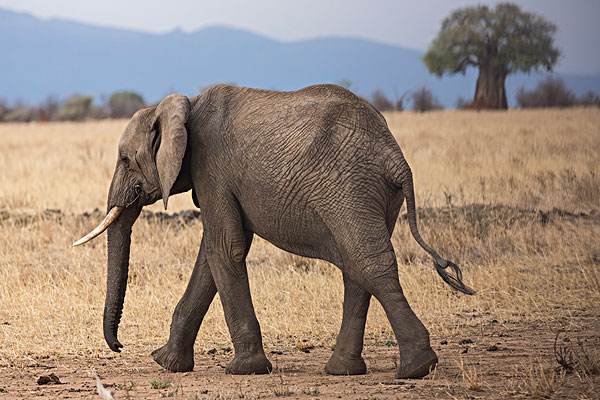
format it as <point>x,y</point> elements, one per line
<point>510,360</point>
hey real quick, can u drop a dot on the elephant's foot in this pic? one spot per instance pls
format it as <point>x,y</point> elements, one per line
<point>416,363</point>
<point>249,364</point>
<point>174,361</point>
<point>339,365</point>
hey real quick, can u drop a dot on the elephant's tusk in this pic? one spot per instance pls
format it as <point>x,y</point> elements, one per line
<point>112,215</point>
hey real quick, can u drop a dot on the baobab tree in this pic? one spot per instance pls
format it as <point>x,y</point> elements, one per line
<point>498,42</point>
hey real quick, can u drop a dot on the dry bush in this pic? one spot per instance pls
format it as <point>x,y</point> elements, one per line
<point>574,356</point>
<point>540,381</point>
<point>4,108</point>
<point>75,108</point>
<point>124,103</point>
<point>470,377</point>
<point>19,113</point>
<point>553,92</point>
<point>381,102</point>
<point>589,99</point>
<point>463,104</point>
<point>550,92</point>
<point>424,100</point>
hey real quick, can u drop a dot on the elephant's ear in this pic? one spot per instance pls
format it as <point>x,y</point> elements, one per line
<point>171,140</point>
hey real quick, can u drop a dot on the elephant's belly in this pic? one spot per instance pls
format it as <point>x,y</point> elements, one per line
<point>301,232</point>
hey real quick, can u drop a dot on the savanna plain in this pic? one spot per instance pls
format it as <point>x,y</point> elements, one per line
<point>514,197</point>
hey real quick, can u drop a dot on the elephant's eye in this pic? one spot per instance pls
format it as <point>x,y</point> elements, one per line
<point>124,159</point>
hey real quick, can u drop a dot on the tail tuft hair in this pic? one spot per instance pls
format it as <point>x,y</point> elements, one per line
<point>455,282</point>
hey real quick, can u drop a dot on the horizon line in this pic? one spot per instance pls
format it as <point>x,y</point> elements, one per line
<point>179,29</point>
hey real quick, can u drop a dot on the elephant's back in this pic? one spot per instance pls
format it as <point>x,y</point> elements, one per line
<point>306,158</point>
<point>300,141</point>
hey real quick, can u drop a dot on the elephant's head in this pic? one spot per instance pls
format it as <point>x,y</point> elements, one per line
<point>151,153</point>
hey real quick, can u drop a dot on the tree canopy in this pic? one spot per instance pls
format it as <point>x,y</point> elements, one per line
<point>506,36</point>
<point>498,41</point>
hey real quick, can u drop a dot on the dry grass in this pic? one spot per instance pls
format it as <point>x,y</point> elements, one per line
<point>529,266</point>
<point>470,376</point>
<point>541,381</point>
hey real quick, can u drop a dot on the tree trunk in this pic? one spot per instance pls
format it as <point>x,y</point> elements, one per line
<point>490,92</point>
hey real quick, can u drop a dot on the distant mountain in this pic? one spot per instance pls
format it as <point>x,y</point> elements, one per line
<point>42,57</point>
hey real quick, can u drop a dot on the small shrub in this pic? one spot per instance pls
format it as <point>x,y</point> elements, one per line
<point>381,101</point>
<point>424,100</point>
<point>20,114</point>
<point>282,392</point>
<point>470,377</point>
<point>550,92</point>
<point>48,109</point>
<point>124,104</point>
<point>75,108</point>
<point>463,104</point>
<point>580,359</point>
<point>312,391</point>
<point>101,112</point>
<point>282,389</point>
<point>160,384</point>
<point>588,360</point>
<point>589,99</point>
<point>540,382</point>
<point>3,108</point>
<point>399,106</point>
<point>127,386</point>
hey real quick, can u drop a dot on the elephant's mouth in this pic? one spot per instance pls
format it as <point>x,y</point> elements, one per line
<point>140,196</point>
<point>135,196</point>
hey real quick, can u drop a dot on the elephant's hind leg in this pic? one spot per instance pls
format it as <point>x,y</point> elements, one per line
<point>178,354</point>
<point>380,277</point>
<point>347,356</point>
<point>370,261</point>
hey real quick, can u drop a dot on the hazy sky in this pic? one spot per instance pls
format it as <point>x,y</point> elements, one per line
<point>406,23</point>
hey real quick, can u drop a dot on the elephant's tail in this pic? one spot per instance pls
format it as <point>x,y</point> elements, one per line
<point>399,173</point>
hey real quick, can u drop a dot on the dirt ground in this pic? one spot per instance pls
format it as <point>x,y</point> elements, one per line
<point>504,357</point>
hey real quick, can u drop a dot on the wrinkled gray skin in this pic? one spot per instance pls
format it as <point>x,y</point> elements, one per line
<point>316,172</point>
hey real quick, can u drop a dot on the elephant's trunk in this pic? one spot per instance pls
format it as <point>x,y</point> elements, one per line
<point>119,241</point>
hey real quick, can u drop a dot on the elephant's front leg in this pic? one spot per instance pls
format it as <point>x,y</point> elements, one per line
<point>228,246</point>
<point>347,356</point>
<point>178,354</point>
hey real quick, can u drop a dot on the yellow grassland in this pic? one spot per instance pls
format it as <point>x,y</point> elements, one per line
<point>528,263</point>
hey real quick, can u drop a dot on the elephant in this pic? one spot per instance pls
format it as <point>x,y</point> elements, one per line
<point>316,172</point>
